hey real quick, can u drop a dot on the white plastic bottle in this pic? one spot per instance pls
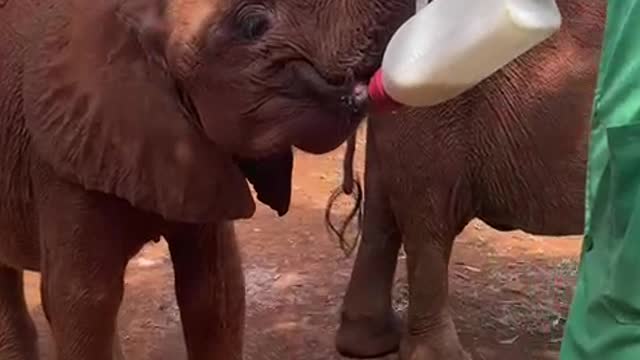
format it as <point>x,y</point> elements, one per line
<point>449,46</point>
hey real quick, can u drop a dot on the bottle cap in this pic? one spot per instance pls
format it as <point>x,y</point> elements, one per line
<point>380,100</point>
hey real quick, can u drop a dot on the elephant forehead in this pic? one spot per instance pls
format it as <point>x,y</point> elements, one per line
<point>188,17</point>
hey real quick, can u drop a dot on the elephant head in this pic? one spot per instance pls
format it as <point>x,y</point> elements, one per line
<point>171,104</point>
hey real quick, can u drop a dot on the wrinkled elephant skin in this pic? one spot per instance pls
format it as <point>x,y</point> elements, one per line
<point>124,121</point>
<point>511,151</point>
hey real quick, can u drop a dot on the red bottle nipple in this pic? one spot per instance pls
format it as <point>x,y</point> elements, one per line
<point>380,100</point>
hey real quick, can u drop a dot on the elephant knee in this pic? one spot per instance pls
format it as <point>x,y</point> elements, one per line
<point>77,296</point>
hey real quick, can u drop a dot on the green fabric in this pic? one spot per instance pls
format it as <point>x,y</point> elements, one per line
<point>604,320</point>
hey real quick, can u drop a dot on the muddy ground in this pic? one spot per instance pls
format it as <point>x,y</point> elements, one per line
<point>510,291</point>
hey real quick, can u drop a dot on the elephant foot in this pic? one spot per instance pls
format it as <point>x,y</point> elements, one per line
<point>433,346</point>
<point>368,337</point>
<point>418,349</point>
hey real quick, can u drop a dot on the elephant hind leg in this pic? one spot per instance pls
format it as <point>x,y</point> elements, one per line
<point>18,337</point>
<point>369,327</point>
<point>431,332</point>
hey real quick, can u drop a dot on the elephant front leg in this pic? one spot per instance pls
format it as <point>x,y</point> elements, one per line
<point>431,333</point>
<point>210,290</point>
<point>369,327</point>
<point>81,295</point>
<point>18,337</point>
<point>86,239</point>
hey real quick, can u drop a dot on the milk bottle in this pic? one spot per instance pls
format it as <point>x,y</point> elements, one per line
<point>449,46</point>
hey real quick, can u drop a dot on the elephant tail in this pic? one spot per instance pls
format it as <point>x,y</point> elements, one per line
<point>351,185</point>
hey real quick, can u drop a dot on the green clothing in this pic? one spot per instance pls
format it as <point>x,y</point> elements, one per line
<point>604,320</point>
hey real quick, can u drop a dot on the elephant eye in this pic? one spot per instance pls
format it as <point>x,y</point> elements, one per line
<point>252,21</point>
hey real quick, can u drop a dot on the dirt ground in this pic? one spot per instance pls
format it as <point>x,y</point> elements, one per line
<point>510,291</point>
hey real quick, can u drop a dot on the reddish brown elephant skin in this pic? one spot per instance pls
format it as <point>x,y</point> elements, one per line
<point>122,121</point>
<point>511,152</point>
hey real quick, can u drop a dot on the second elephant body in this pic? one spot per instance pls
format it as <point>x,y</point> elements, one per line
<point>511,152</point>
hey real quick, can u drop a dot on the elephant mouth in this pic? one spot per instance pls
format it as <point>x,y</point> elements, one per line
<point>342,94</point>
<point>329,108</point>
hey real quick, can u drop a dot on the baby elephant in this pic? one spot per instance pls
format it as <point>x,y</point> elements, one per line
<point>512,152</point>
<point>125,120</point>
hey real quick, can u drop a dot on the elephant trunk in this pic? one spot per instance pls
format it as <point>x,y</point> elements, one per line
<point>347,187</point>
<point>347,165</point>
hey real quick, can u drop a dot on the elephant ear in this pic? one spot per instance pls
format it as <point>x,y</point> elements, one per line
<point>103,110</point>
<point>271,179</point>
